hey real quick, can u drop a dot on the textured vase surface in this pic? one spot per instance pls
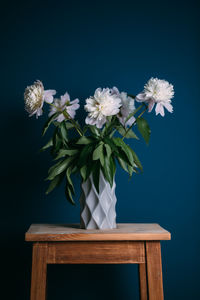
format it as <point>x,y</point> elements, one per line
<point>98,209</point>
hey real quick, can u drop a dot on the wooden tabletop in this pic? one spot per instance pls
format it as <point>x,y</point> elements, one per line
<point>72,232</point>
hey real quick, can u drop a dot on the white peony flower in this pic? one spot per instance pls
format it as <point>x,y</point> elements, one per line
<point>62,104</point>
<point>34,97</point>
<point>159,92</point>
<point>104,103</point>
<point>128,106</point>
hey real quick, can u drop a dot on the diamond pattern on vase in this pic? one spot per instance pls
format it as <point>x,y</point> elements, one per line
<point>98,210</point>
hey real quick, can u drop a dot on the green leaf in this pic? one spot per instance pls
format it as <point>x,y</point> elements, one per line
<point>112,167</point>
<point>57,140</point>
<point>122,164</point>
<point>107,171</point>
<point>48,122</point>
<point>110,142</point>
<point>136,159</point>
<point>68,174</point>
<point>53,167</point>
<point>57,143</point>
<point>94,130</point>
<point>49,144</point>
<point>59,167</point>
<point>84,141</point>
<point>96,175</point>
<point>112,133</point>
<point>56,123</point>
<point>120,143</point>
<point>108,150</point>
<point>109,119</point>
<point>63,131</point>
<point>75,168</point>
<point>131,155</point>
<point>98,153</point>
<point>83,172</point>
<point>69,125</point>
<point>113,123</point>
<point>65,152</point>
<point>85,128</point>
<point>128,132</point>
<point>144,129</point>
<point>89,168</point>
<point>55,182</point>
<point>122,155</point>
<point>68,194</point>
<point>84,155</point>
<point>130,170</point>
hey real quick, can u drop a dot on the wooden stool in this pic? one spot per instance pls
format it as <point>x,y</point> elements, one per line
<point>128,244</point>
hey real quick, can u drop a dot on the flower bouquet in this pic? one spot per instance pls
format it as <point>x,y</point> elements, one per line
<point>96,148</point>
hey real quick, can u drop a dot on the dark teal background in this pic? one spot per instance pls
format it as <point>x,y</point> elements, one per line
<point>78,46</point>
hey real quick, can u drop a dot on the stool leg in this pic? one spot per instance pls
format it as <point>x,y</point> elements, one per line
<point>39,271</point>
<point>154,270</point>
<point>143,281</point>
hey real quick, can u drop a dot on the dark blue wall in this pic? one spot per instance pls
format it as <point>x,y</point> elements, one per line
<point>79,46</point>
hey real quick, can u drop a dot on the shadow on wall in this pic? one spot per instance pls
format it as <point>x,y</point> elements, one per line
<point>92,282</point>
<point>23,199</point>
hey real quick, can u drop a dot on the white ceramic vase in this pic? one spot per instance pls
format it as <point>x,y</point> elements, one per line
<point>98,209</point>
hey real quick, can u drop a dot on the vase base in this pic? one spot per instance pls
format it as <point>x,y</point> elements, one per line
<point>93,226</point>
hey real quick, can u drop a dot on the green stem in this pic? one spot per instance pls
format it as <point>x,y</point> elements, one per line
<point>134,112</point>
<point>136,120</point>
<point>67,116</point>
<point>112,133</point>
<point>73,122</point>
<point>54,106</point>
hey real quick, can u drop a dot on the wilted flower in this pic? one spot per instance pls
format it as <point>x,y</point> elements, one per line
<point>34,97</point>
<point>128,106</point>
<point>104,103</point>
<point>157,91</point>
<point>62,104</point>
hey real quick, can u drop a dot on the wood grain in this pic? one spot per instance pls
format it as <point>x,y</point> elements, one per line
<point>127,244</point>
<point>72,232</point>
<point>154,270</point>
<point>143,281</point>
<point>39,270</point>
<point>118,252</point>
